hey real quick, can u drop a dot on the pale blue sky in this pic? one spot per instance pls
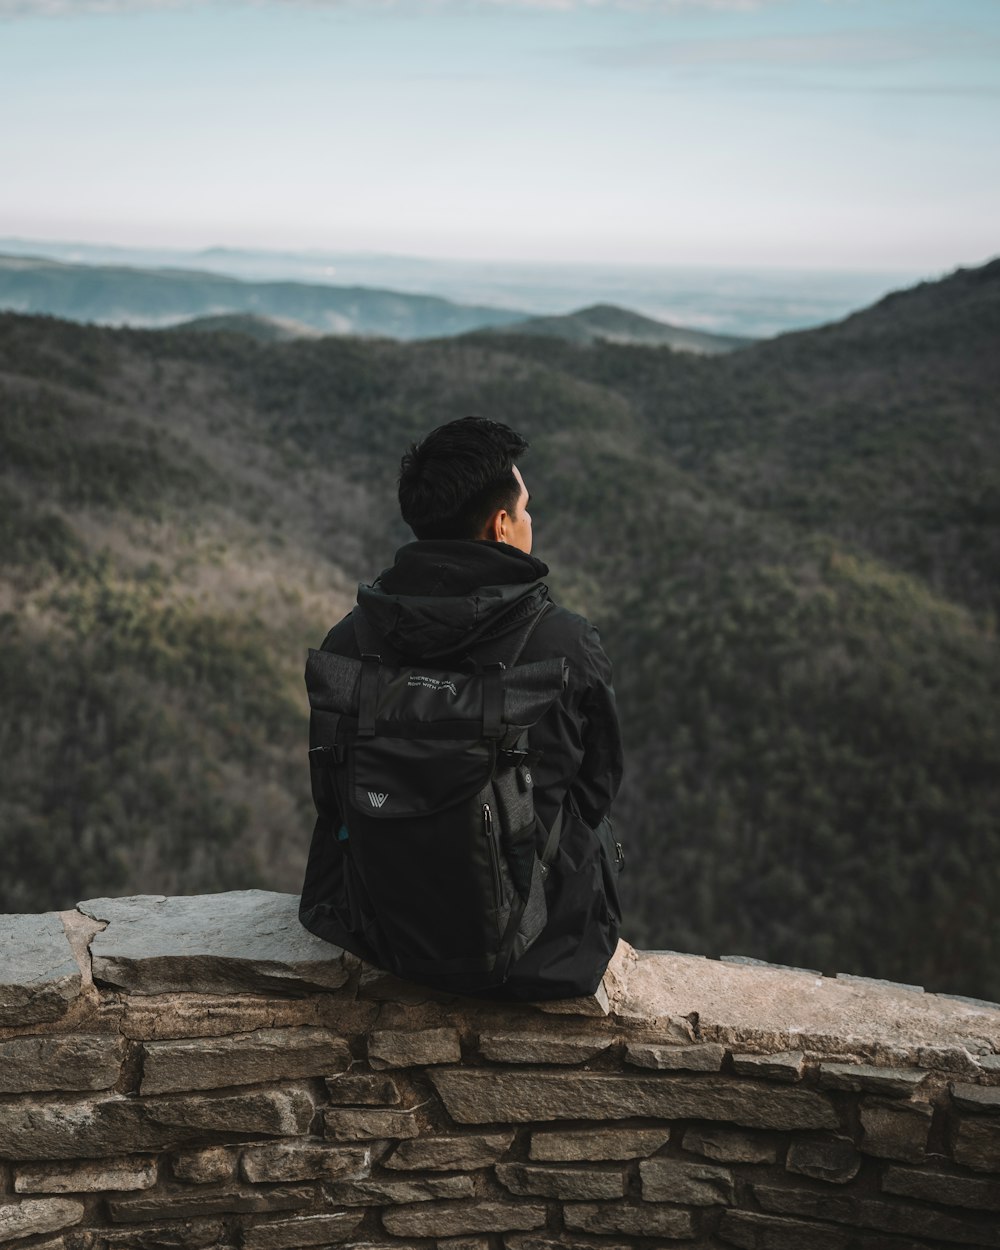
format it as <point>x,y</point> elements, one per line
<point>856,133</point>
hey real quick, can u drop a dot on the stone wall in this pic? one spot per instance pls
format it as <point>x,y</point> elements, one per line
<point>200,1072</point>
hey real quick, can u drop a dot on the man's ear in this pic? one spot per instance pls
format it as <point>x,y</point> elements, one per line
<point>496,527</point>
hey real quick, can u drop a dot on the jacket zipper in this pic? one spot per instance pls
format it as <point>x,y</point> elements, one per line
<point>491,844</point>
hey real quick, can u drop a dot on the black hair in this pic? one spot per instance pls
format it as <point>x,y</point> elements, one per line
<point>452,482</point>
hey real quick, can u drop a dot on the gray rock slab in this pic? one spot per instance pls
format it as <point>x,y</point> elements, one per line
<point>976,1097</point>
<point>35,1216</point>
<point>283,1111</point>
<point>880,983</point>
<point>729,1145</point>
<point>977,1143</point>
<point>304,1161</point>
<point>173,1016</point>
<point>760,1008</point>
<point>895,1130</point>
<point>31,1129</point>
<point>196,1234</point>
<point>106,1126</point>
<point>864,1077</point>
<point>392,1048</point>
<point>596,1004</point>
<point>463,1153</point>
<point>879,1214</point>
<point>542,1047</point>
<point>601,1144</point>
<point>444,1219</point>
<point>703,1058</point>
<point>752,1231</point>
<point>217,1202</point>
<point>369,1124</point>
<point>482,1096</point>
<point>363,1089</point>
<point>956,1191</point>
<point>633,1221</point>
<point>78,1061</point>
<point>831,1159</point>
<point>306,1230</point>
<point>242,1059</point>
<point>954,1059</point>
<point>208,1165</point>
<point>749,961</point>
<point>532,1241</point>
<point>529,1180</point>
<point>110,1175</point>
<point>210,943</point>
<point>399,1191</point>
<point>39,976</point>
<point>785,1066</point>
<point>686,1184</point>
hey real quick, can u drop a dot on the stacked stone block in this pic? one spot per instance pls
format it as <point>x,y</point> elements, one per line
<point>205,1075</point>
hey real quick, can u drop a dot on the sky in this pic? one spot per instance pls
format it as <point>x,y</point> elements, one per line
<point>859,134</point>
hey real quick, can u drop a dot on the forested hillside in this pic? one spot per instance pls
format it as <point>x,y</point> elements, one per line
<point>792,552</point>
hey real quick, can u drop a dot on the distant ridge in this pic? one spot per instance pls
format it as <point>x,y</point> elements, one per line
<point>611,324</point>
<point>121,295</point>
<point>263,329</point>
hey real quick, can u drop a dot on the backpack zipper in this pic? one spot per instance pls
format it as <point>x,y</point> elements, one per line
<point>491,843</point>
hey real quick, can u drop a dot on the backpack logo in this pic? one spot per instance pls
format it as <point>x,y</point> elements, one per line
<point>376,799</point>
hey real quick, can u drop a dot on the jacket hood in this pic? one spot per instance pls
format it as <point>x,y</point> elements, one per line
<point>443,595</point>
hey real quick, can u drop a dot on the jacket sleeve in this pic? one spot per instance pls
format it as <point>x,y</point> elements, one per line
<point>578,738</point>
<point>600,774</point>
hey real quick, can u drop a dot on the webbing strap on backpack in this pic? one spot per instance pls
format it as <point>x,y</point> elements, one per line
<point>552,841</point>
<point>368,695</point>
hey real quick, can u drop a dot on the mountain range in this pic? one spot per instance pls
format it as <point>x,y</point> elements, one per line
<point>122,295</point>
<point>754,303</point>
<point>791,551</point>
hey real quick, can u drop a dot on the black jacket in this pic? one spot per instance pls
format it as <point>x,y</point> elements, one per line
<point>438,599</point>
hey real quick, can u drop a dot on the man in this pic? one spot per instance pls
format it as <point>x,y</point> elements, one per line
<point>469,573</point>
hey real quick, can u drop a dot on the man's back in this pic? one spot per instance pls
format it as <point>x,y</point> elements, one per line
<point>440,600</point>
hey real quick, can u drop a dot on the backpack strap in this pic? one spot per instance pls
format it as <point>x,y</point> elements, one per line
<point>506,647</point>
<point>369,642</point>
<point>368,695</point>
<point>552,841</point>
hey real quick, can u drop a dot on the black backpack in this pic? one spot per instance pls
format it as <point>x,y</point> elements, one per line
<point>432,777</point>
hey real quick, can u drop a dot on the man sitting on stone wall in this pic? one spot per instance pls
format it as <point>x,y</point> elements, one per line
<point>463,496</point>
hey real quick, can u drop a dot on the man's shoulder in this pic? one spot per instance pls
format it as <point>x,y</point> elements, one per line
<point>341,640</point>
<point>567,633</point>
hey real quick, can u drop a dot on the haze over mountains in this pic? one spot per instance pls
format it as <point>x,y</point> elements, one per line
<point>126,296</point>
<point>119,295</point>
<point>792,552</point>
<point>746,303</point>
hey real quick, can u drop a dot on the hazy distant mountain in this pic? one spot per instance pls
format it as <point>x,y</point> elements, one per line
<point>755,303</point>
<point>118,295</point>
<point>611,324</point>
<point>263,329</point>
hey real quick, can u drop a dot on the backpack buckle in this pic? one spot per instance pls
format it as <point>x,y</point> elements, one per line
<point>325,757</point>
